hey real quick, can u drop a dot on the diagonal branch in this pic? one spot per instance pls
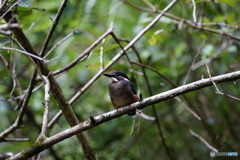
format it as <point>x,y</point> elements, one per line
<point>60,42</point>
<point>86,125</point>
<point>46,108</point>
<point>20,51</point>
<point>203,140</point>
<point>217,90</point>
<point>13,74</point>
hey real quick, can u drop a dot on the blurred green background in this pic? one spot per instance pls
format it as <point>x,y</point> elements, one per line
<point>170,47</point>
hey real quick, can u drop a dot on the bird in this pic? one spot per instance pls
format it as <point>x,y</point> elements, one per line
<point>122,92</point>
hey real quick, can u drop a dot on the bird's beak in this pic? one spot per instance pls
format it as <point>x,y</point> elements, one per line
<point>108,75</point>
<point>113,79</point>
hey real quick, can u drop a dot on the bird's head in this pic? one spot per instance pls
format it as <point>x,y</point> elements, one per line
<point>117,76</point>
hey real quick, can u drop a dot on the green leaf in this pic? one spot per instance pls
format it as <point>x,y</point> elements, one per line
<point>152,41</point>
<point>24,11</point>
<point>93,66</point>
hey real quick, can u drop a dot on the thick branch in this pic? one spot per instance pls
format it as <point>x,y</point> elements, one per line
<point>86,125</point>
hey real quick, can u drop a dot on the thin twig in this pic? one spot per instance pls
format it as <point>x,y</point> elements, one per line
<point>224,46</point>
<point>46,107</point>
<point>133,125</point>
<point>14,76</point>
<point>15,41</point>
<point>60,42</point>
<point>154,70</point>
<point>203,140</point>
<point>13,98</point>
<point>189,109</point>
<point>84,55</point>
<point>3,80</point>
<point>228,95</point>
<point>14,81</point>
<point>24,52</point>
<point>16,139</point>
<point>102,55</point>
<point>27,53</point>
<point>55,23</point>
<point>218,91</point>
<point>114,8</point>
<point>55,119</point>
<point>211,78</point>
<point>193,62</point>
<point>150,5</point>
<point>53,59</point>
<point>220,24</point>
<point>145,116</point>
<point>194,11</point>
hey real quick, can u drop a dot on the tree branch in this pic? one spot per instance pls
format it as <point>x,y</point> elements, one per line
<point>86,125</point>
<point>203,140</point>
<point>46,108</point>
<point>20,51</point>
<point>55,23</point>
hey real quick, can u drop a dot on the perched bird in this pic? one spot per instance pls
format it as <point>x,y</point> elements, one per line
<point>122,92</point>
